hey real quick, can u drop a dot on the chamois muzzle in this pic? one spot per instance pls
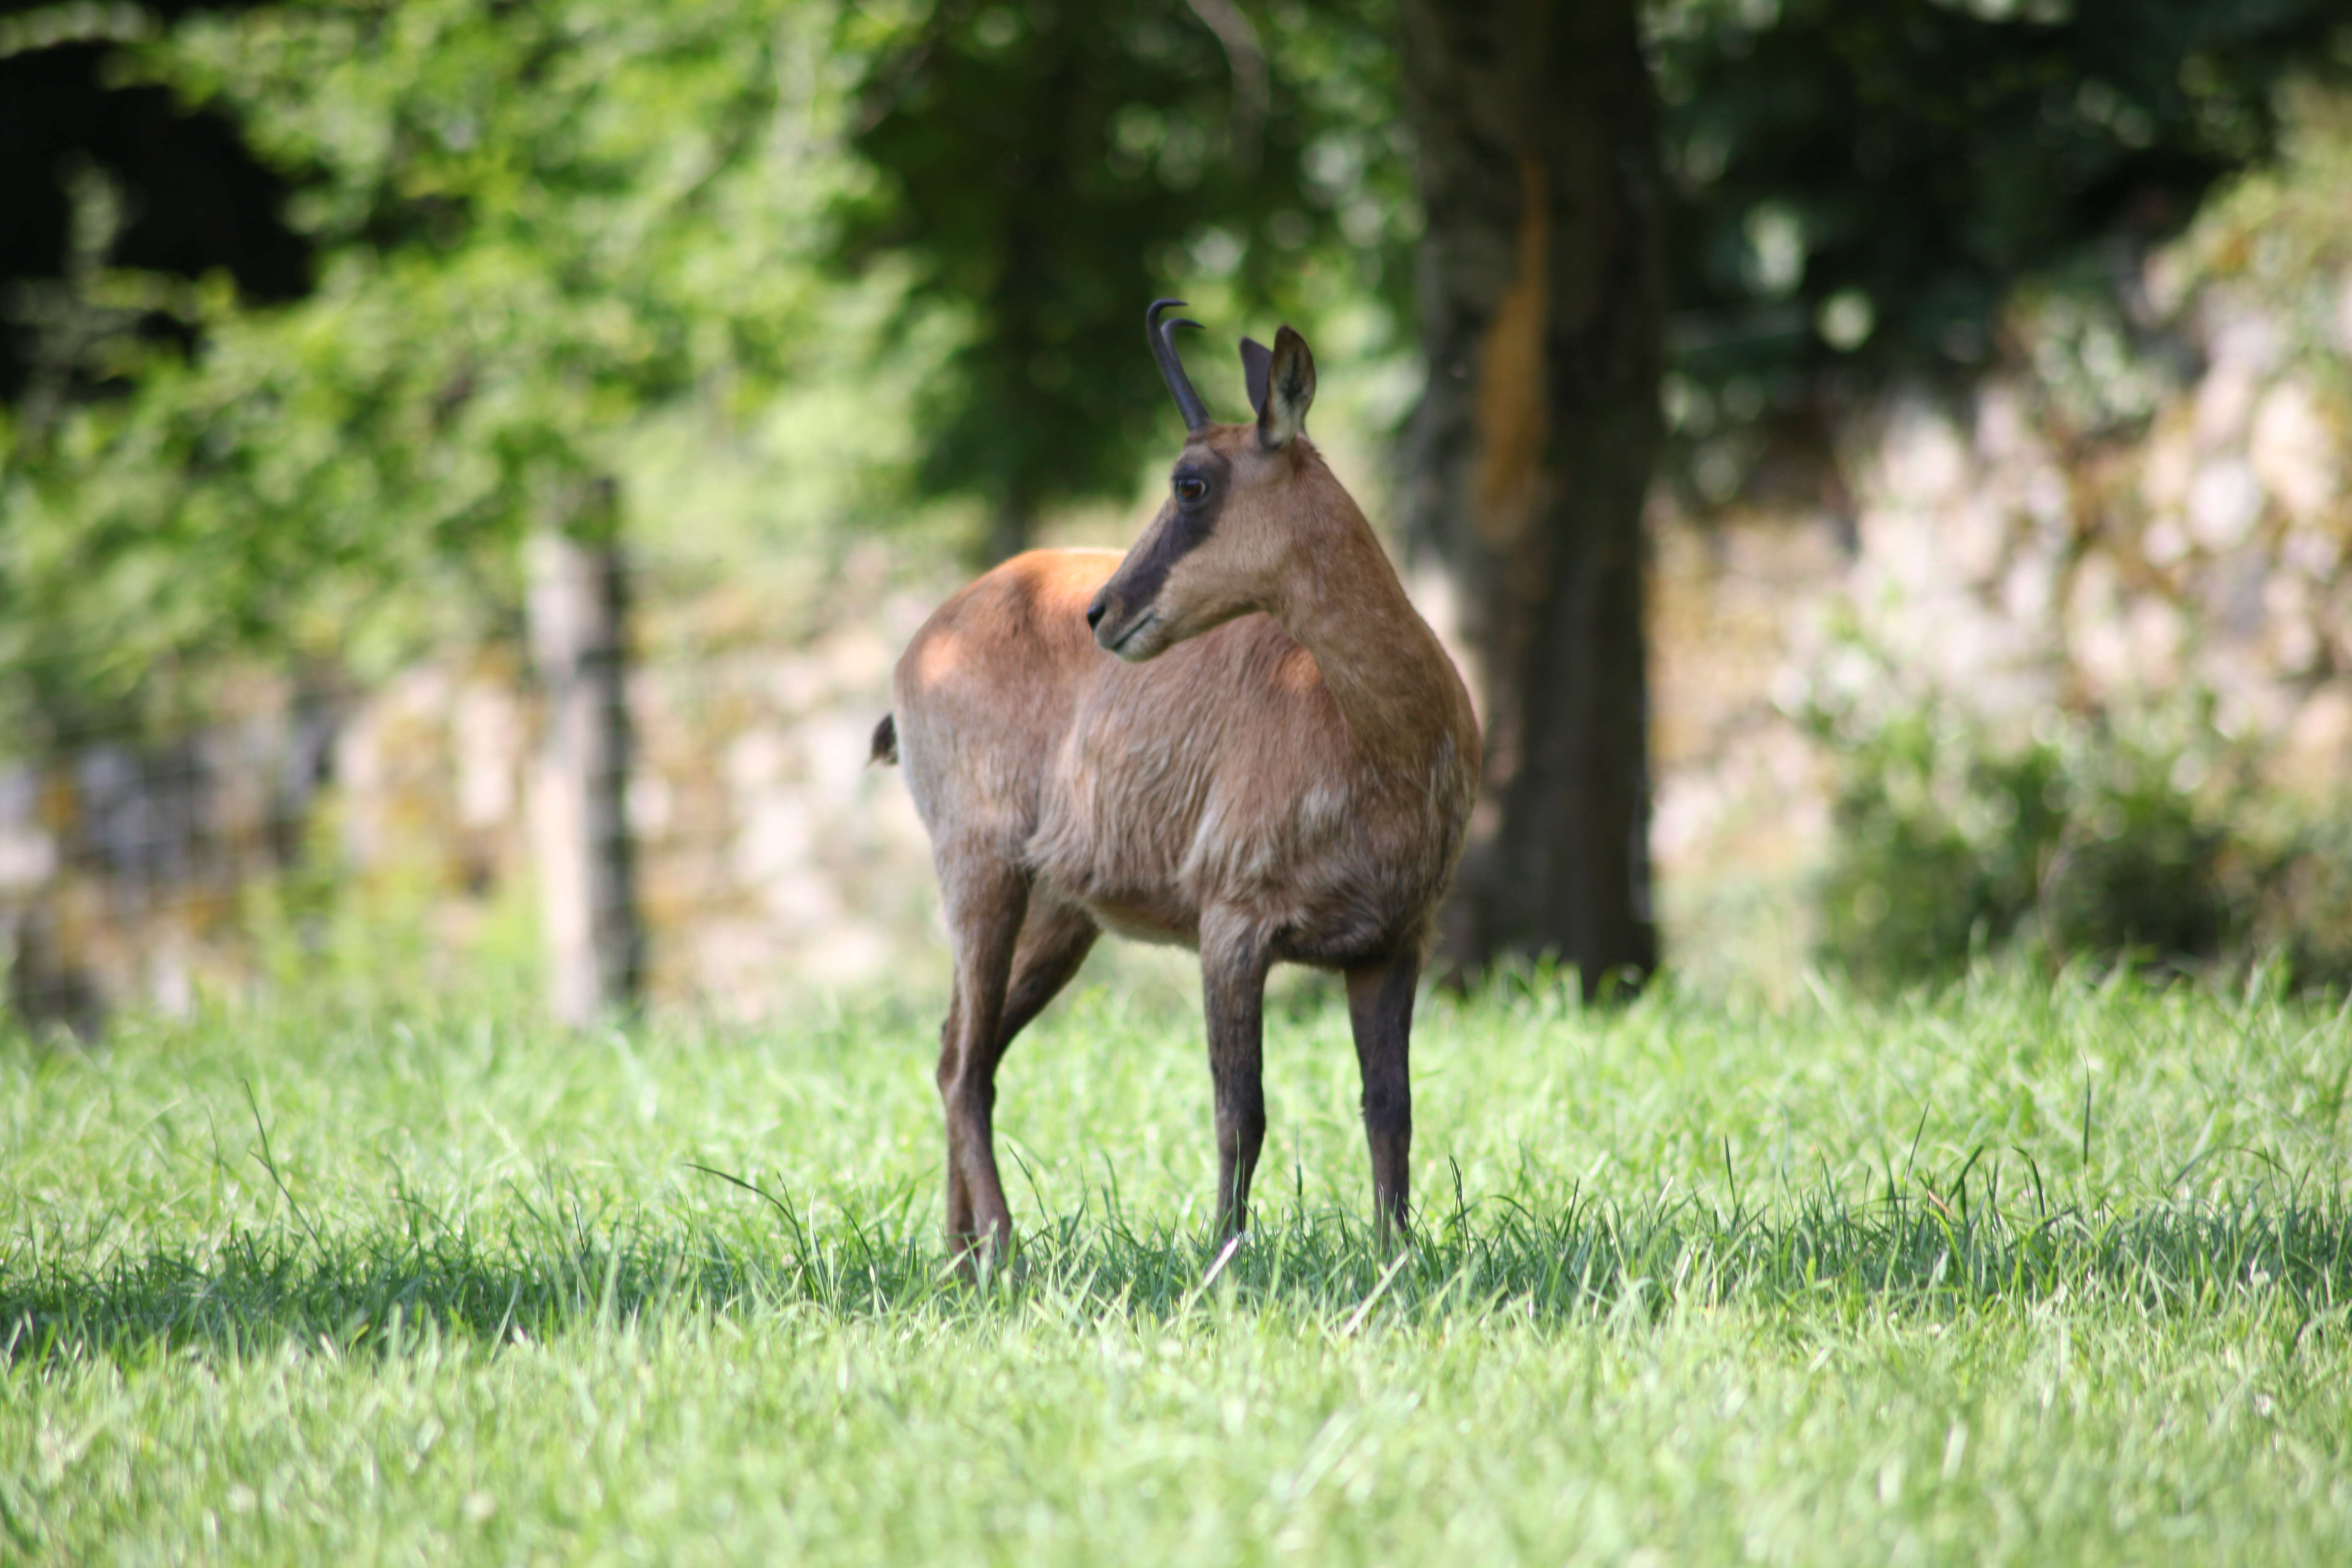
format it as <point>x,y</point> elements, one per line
<point>1161,336</point>
<point>1126,629</point>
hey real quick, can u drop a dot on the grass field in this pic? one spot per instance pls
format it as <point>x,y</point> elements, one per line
<point>2014,1275</point>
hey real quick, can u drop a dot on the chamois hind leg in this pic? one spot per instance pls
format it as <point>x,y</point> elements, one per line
<point>985,901</point>
<point>1054,941</point>
<point>958,1195</point>
<point>1002,983</point>
<point>1380,1007</point>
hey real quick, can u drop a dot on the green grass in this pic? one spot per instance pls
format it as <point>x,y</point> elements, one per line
<point>2019,1273</point>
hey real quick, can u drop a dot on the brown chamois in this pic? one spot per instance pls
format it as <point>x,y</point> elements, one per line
<point>1276,767</point>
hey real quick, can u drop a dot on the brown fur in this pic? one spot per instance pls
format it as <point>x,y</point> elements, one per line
<point>1278,768</point>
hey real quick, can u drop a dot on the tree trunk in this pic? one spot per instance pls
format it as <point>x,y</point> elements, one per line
<point>1542,315</point>
<point>578,614</point>
<point>1008,526</point>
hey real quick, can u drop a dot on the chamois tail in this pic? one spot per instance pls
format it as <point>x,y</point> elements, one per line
<point>886,741</point>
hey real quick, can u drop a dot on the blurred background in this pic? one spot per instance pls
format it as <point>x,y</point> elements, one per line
<point>466,471</point>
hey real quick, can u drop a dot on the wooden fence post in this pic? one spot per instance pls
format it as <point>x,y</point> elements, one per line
<point>577,612</point>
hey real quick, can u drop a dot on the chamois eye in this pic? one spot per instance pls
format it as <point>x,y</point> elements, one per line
<point>1191,488</point>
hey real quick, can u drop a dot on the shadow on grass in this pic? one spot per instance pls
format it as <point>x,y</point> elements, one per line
<point>564,1264</point>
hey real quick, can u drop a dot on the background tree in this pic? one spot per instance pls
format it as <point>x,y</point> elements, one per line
<point>533,228</point>
<point>1542,313</point>
<point>1049,168</point>
<point>1855,189</point>
<point>1830,194</point>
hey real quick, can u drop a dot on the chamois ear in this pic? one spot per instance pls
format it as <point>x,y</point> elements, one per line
<point>1256,357</point>
<point>1289,390</point>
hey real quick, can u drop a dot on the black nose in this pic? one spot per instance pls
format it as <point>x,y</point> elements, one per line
<point>1094,612</point>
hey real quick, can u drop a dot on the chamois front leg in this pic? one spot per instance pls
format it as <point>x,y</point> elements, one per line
<point>1233,962</point>
<point>1380,1008</point>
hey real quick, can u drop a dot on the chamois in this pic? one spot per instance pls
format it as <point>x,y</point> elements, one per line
<point>1276,766</point>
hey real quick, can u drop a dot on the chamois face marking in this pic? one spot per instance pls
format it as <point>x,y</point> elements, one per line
<point>1235,517</point>
<point>1129,616</point>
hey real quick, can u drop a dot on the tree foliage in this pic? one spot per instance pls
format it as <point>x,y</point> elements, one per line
<point>532,225</point>
<point>1051,167</point>
<point>1856,184</point>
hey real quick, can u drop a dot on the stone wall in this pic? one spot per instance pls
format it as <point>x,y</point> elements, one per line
<point>2012,551</point>
<point>771,858</point>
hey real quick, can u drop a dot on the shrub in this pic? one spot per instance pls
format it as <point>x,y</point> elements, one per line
<point>2150,840</point>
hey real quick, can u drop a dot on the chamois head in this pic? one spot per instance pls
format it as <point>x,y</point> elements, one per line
<point>1241,499</point>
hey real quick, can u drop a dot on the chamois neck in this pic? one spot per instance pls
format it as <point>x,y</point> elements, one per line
<point>1394,685</point>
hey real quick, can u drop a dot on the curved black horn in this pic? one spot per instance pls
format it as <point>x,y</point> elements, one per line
<point>1171,369</point>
